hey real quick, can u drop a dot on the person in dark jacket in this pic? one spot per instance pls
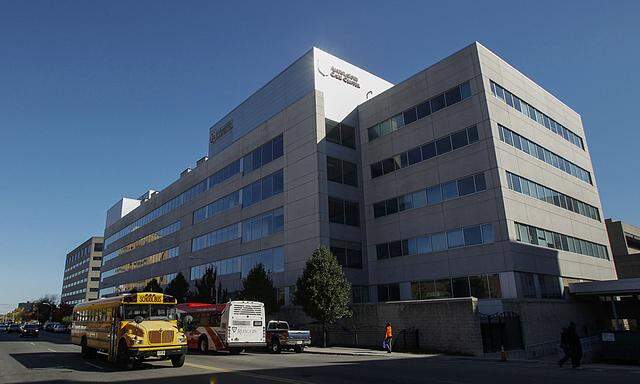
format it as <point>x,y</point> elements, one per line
<point>575,345</point>
<point>564,345</point>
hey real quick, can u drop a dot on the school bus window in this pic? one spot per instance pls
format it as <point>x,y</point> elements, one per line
<point>150,312</point>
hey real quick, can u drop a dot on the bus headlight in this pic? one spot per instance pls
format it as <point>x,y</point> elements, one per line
<point>182,339</point>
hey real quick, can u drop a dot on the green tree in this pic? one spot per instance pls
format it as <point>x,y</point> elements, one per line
<point>257,286</point>
<point>153,286</point>
<point>178,288</point>
<point>323,291</point>
<point>206,287</point>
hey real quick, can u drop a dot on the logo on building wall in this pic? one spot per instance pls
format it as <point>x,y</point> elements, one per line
<point>216,134</point>
<point>339,74</point>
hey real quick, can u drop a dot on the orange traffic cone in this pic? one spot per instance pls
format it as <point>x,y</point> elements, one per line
<point>503,354</point>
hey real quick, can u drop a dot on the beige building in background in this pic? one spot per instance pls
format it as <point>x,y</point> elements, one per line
<point>467,179</point>
<point>625,247</point>
<point>81,277</point>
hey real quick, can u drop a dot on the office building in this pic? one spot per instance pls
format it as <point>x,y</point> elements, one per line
<point>625,247</point>
<point>465,179</point>
<point>81,280</point>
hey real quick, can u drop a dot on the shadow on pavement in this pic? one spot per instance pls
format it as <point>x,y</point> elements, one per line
<point>60,338</point>
<point>73,361</point>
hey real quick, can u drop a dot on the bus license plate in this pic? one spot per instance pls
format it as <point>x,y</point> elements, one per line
<point>160,353</point>
<point>299,342</point>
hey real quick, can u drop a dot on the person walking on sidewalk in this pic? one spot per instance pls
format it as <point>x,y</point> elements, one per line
<point>564,345</point>
<point>388,336</point>
<point>575,345</point>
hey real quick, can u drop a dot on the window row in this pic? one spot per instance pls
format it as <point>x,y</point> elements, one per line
<point>169,229</point>
<point>271,150</point>
<point>548,195</point>
<point>431,195</point>
<point>77,292</point>
<point>151,259</point>
<point>537,236</point>
<point>137,285</point>
<point>340,133</point>
<point>533,149</point>
<point>344,212</point>
<point>76,265</point>
<point>263,225</point>
<point>263,155</point>
<point>485,286</point>
<point>535,115</point>
<point>219,236</point>
<point>535,285</point>
<point>272,260</point>
<point>69,285</point>
<point>103,314</point>
<point>77,273</point>
<point>222,204</point>
<point>342,171</point>
<point>426,151</point>
<point>348,253</point>
<point>78,255</point>
<point>455,238</point>
<point>263,189</point>
<point>424,109</point>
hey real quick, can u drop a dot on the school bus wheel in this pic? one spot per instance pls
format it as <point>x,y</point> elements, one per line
<point>178,360</point>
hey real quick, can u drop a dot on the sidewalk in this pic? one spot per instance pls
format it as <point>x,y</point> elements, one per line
<point>344,351</point>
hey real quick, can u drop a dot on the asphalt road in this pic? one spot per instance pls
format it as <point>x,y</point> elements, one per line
<point>51,359</point>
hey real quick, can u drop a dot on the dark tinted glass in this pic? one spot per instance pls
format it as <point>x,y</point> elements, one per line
<point>465,90</point>
<point>336,211</point>
<point>351,213</point>
<point>373,133</point>
<point>379,209</point>
<point>466,186</point>
<point>278,149</point>
<point>423,109</point>
<point>392,206</point>
<point>428,150</point>
<point>453,95</point>
<point>257,158</point>
<point>437,103</point>
<point>404,159</point>
<point>414,155</point>
<point>382,251</point>
<point>388,165</point>
<point>460,287</point>
<point>459,139</point>
<point>332,131</point>
<point>376,170</point>
<point>394,292</point>
<point>334,170</point>
<point>473,134</point>
<point>481,184</point>
<point>395,249</point>
<point>354,258</point>
<point>443,145</point>
<point>267,152</point>
<point>340,254</point>
<point>278,182</point>
<point>348,136</point>
<point>472,236</point>
<point>449,190</point>
<point>350,173</point>
<point>410,116</point>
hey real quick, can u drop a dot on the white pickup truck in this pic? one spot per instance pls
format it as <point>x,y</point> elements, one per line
<point>279,337</point>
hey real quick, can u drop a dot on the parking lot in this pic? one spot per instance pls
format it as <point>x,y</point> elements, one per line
<point>51,359</point>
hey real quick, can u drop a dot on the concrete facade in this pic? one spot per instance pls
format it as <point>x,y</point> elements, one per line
<point>81,278</point>
<point>625,246</point>
<point>296,106</point>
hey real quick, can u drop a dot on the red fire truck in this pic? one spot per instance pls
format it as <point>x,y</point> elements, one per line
<point>230,327</point>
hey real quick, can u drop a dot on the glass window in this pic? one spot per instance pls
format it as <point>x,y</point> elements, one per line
<point>480,182</point>
<point>449,190</point>
<point>414,155</point>
<point>395,249</point>
<point>434,195</point>
<point>453,96</point>
<point>376,170</point>
<point>348,134</point>
<point>334,170</point>
<point>278,182</point>
<point>336,210</point>
<point>495,291</point>
<point>404,160</point>
<point>350,173</point>
<point>460,287</point>
<point>385,127</point>
<point>473,134</point>
<point>423,109</point>
<point>388,165</point>
<point>278,147</point>
<point>267,187</point>
<point>443,289</point>
<point>340,254</point>
<point>459,139</point>
<point>437,103</point>
<point>455,238</point>
<point>405,202</point>
<point>424,244</point>
<point>410,116</point>
<point>439,242</point>
<point>332,131</point>
<point>465,90</point>
<point>419,199</point>
<point>382,251</point>
<point>373,132</point>
<point>472,235</point>
<point>487,233</point>
<point>352,213</point>
<point>443,145</point>
<point>267,152</point>
<point>428,150</point>
<point>466,186</point>
<point>397,122</point>
<point>479,286</point>
<point>379,209</point>
<point>391,205</point>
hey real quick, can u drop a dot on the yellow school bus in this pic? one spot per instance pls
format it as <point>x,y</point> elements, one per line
<point>130,328</point>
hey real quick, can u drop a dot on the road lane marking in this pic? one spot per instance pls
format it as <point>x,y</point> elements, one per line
<point>32,343</point>
<point>247,374</point>
<point>94,365</point>
<point>51,350</point>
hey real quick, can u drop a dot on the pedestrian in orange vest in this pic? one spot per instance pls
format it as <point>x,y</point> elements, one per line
<point>388,336</point>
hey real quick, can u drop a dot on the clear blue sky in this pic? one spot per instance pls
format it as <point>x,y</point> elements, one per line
<point>104,99</point>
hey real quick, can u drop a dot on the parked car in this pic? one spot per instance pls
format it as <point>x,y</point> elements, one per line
<point>15,327</point>
<point>279,337</point>
<point>61,328</point>
<point>3,328</point>
<point>50,326</point>
<point>29,330</point>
